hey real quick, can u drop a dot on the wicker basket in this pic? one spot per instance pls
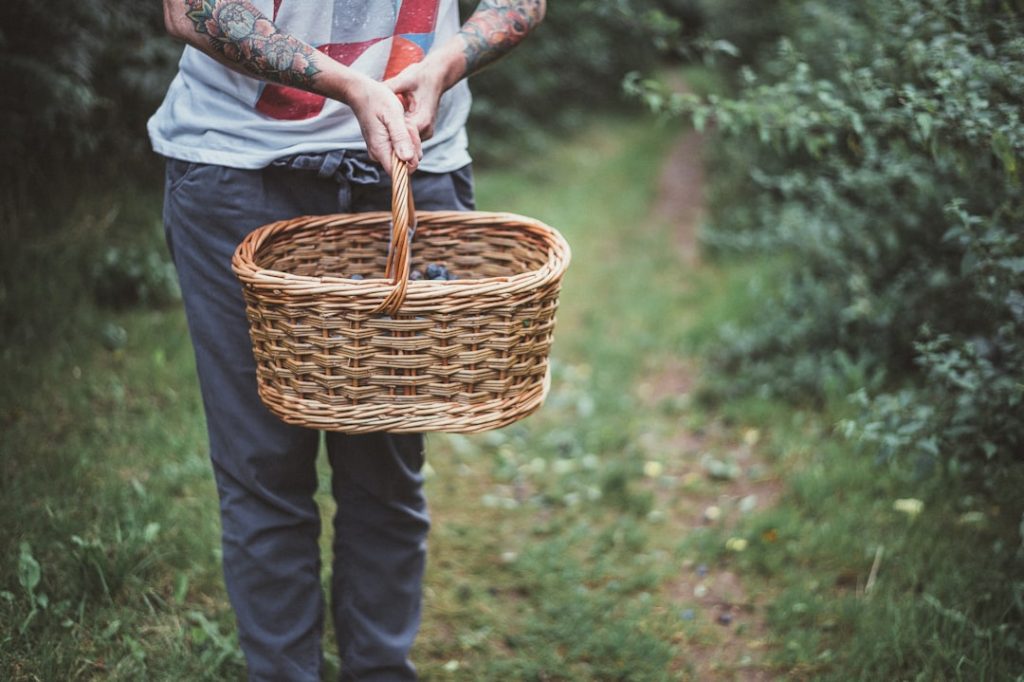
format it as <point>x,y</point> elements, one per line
<point>390,354</point>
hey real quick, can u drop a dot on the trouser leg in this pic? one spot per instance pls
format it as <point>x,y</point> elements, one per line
<point>380,534</point>
<point>381,522</point>
<point>264,469</point>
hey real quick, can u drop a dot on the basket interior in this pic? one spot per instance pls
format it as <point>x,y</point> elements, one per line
<point>469,251</point>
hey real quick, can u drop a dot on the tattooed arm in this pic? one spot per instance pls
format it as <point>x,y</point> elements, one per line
<point>493,29</point>
<point>238,35</point>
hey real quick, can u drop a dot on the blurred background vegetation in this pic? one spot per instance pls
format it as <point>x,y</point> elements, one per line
<point>865,214</point>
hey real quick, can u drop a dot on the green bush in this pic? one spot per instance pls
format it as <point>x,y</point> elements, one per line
<point>572,64</point>
<point>874,159</point>
<point>86,76</point>
<point>886,175</point>
<point>133,275</point>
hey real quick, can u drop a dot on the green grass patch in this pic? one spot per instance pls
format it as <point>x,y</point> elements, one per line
<point>110,541</point>
<point>873,570</point>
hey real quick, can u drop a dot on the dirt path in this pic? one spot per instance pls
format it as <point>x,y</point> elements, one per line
<point>712,475</point>
<point>680,198</point>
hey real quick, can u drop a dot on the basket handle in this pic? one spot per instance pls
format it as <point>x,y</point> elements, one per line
<point>403,224</point>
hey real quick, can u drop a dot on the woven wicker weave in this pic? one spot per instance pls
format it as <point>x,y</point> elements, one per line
<point>389,354</point>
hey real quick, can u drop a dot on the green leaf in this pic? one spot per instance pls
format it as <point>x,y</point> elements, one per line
<point>725,47</point>
<point>924,123</point>
<point>181,588</point>
<point>150,533</point>
<point>29,571</point>
<point>700,119</point>
<point>1014,265</point>
<point>111,629</point>
<point>1003,150</point>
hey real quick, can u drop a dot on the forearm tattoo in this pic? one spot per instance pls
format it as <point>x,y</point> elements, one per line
<point>496,27</point>
<point>244,35</point>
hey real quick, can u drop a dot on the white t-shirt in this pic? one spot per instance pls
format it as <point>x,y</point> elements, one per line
<point>212,114</point>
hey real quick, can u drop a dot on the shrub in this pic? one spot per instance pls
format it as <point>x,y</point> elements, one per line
<point>86,75</point>
<point>572,64</point>
<point>134,275</point>
<point>875,160</point>
<point>885,174</point>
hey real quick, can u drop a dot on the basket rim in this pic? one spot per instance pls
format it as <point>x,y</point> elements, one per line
<point>373,288</point>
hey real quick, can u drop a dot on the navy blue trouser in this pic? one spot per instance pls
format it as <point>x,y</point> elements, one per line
<point>265,470</point>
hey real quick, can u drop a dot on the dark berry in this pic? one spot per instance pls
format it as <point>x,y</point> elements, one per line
<point>356,277</point>
<point>415,275</point>
<point>435,270</point>
<point>725,618</point>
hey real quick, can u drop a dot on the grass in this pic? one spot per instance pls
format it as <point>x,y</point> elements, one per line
<point>567,547</point>
<point>109,541</point>
<point>871,570</point>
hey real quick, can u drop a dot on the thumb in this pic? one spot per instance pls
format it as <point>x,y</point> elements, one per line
<point>401,81</point>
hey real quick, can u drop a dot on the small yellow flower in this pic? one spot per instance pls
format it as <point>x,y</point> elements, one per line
<point>653,469</point>
<point>692,478</point>
<point>736,544</point>
<point>909,506</point>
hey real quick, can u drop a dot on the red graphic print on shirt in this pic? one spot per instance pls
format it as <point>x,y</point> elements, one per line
<point>411,39</point>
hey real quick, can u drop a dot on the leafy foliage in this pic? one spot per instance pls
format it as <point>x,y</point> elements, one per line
<point>86,74</point>
<point>133,275</point>
<point>887,174</point>
<point>573,63</point>
<point>876,157</point>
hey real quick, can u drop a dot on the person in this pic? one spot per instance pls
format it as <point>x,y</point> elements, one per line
<point>292,107</point>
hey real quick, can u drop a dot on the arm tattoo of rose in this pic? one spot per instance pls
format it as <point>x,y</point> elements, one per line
<point>242,34</point>
<point>495,28</point>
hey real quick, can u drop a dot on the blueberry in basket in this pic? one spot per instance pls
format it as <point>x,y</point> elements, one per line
<point>436,272</point>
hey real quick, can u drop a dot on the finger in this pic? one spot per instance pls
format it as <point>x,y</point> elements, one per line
<point>425,126</point>
<point>417,143</point>
<point>402,81</point>
<point>383,158</point>
<point>401,139</point>
<point>378,145</point>
<point>417,139</point>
